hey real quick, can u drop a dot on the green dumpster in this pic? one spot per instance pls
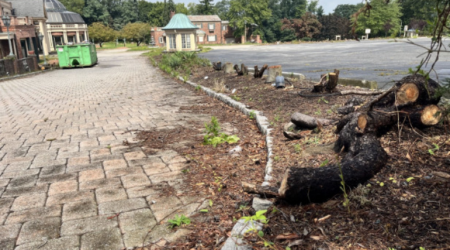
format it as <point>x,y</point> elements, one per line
<point>77,55</point>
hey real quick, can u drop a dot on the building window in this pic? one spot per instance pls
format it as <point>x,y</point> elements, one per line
<point>200,39</point>
<point>211,38</point>
<point>224,27</point>
<point>199,25</point>
<point>161,40</point>
<point>186,41</point>
<point>211,26</point>
<point>172,39</point>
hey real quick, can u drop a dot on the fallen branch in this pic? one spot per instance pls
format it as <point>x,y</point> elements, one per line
<point>266,191</point>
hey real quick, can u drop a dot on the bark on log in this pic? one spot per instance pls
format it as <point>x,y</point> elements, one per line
<point>228,68</point>
<point>309,122</point>
<point>266,191</point>
<point>259,73</point>
<point>217,66</point>
<point>304,185</point>
<point>272,72</point>
<point>350,106</point>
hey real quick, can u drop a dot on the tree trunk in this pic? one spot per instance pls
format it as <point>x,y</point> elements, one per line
<point>305,185</point>
<point>309,122</point>
<point>244,70</point>
<point>259,73</point>
<point>228,68</point>
<point>272,72</point>
<point>332,81</point>
<point>422,116</point>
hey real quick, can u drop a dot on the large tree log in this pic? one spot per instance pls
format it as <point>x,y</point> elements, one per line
<point>304,185</point>
<point>272,72</point>
<point>421,117</point>
<point>309,122</point>
<point>259,73</point>
<point>228,68</point>
<point>350,106</point>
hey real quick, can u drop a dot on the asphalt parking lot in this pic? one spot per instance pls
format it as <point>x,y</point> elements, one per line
<point>384,60</point>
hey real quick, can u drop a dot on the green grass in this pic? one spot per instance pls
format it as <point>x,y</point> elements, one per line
<point>130,46</point>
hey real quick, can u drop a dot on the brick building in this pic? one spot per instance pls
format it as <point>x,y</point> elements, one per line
<point>21,32</point>
<point>212,30</point>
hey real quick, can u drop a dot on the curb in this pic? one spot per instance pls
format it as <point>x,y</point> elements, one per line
<point>261,121</point>
<point>22,75</point>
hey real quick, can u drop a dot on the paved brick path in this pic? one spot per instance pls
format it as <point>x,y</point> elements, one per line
<point>66,180</point>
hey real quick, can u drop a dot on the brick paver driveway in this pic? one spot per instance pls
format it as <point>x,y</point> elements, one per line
<point>66,179</point>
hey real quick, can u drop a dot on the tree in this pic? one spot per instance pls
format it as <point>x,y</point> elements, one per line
<point>139,32</point>
<point>74,5</point>
<point>417,9</point>
<point>271,28</point>
<point>293,8</point>
<point>306,26</point>
<point>333,25</point>
<point>95,11</point>
<point>312,6</point>
<point>206,7</point>
<point>128,14</point>
<point>380,14</point>
<point>144,8</point>
<point>347,10</point>
<point>180,8</point>
<point>194,9</point>
<point>320,11</point>
<point>245,13</point>
<point>101,33</point>
<point>154,16</point>
<point>221,9</point>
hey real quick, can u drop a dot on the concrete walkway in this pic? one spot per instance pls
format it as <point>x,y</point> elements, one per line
<point>66,179</point>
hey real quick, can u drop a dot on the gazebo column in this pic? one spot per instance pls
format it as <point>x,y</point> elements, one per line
<point>45,40</point>
<point>193,42</point>
<point>179,42</point>
<point>78,37</point>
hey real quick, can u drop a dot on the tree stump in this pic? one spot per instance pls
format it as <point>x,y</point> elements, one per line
<point>272,72</point>
<point>217,66</point>
<point>243,71</point>
<point>228,68</point>
<point>259,73</point>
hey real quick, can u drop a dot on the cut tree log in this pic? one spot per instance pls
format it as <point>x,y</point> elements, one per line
<point>350,106</point>
<point>228,68</point>
<point>309,122</point>
<point>305,185</point>
<point>358,140</point>
<point>333,81</point>
<point>272,72</point>
<point>243,71</point>
<point>217,66</point>
<point>259,73</point>
<point>422,116</point>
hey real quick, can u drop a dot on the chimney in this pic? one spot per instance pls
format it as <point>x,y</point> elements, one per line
<point>172,13</point>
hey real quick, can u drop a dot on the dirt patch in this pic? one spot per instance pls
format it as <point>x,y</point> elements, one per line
<point>405,206</point>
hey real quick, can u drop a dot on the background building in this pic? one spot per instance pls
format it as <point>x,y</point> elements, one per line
<point>63,26</point>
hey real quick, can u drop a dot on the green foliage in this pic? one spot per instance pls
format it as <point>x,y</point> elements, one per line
<point>138,32</point>
<point>259,216</point>
<point>154,17</point>
<point>347,10</point>
<point>74,5</point>
<point>252,115</point>
<point>306,26</point>
<point>346,202</point>
<point>206,7</point>
<point>298,148</point>
<point>380,15</point>
<point>95,11</point>
<point>436,148</point>
<point>178,221</point>
<point>101,33</point>
<point>214,137</point>
<point>324,163</point>
<point>250,12</point>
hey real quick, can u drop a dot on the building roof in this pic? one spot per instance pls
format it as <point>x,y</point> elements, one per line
<point>30,8</point>
<point>204,18</point>
<point>57,13</point>
<point>180,21</point>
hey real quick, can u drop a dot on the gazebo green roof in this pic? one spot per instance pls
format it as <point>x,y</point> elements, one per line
<point>178,22</point>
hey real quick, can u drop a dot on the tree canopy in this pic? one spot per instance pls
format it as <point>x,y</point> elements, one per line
<point>101,33</point>
<point>382,15</point>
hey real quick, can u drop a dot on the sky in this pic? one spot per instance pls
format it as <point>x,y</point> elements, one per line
<point>328,5</point>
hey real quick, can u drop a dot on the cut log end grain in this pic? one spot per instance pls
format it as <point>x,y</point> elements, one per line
<point>407,93</point>
<point>431,115</point>
<point>362,122</point>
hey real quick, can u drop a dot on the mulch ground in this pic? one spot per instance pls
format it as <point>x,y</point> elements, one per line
<point>405,206</point>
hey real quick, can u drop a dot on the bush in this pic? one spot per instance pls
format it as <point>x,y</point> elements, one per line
<point>306,39</point>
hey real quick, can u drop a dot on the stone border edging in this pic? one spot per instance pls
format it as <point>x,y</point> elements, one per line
<point>261,121</point>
